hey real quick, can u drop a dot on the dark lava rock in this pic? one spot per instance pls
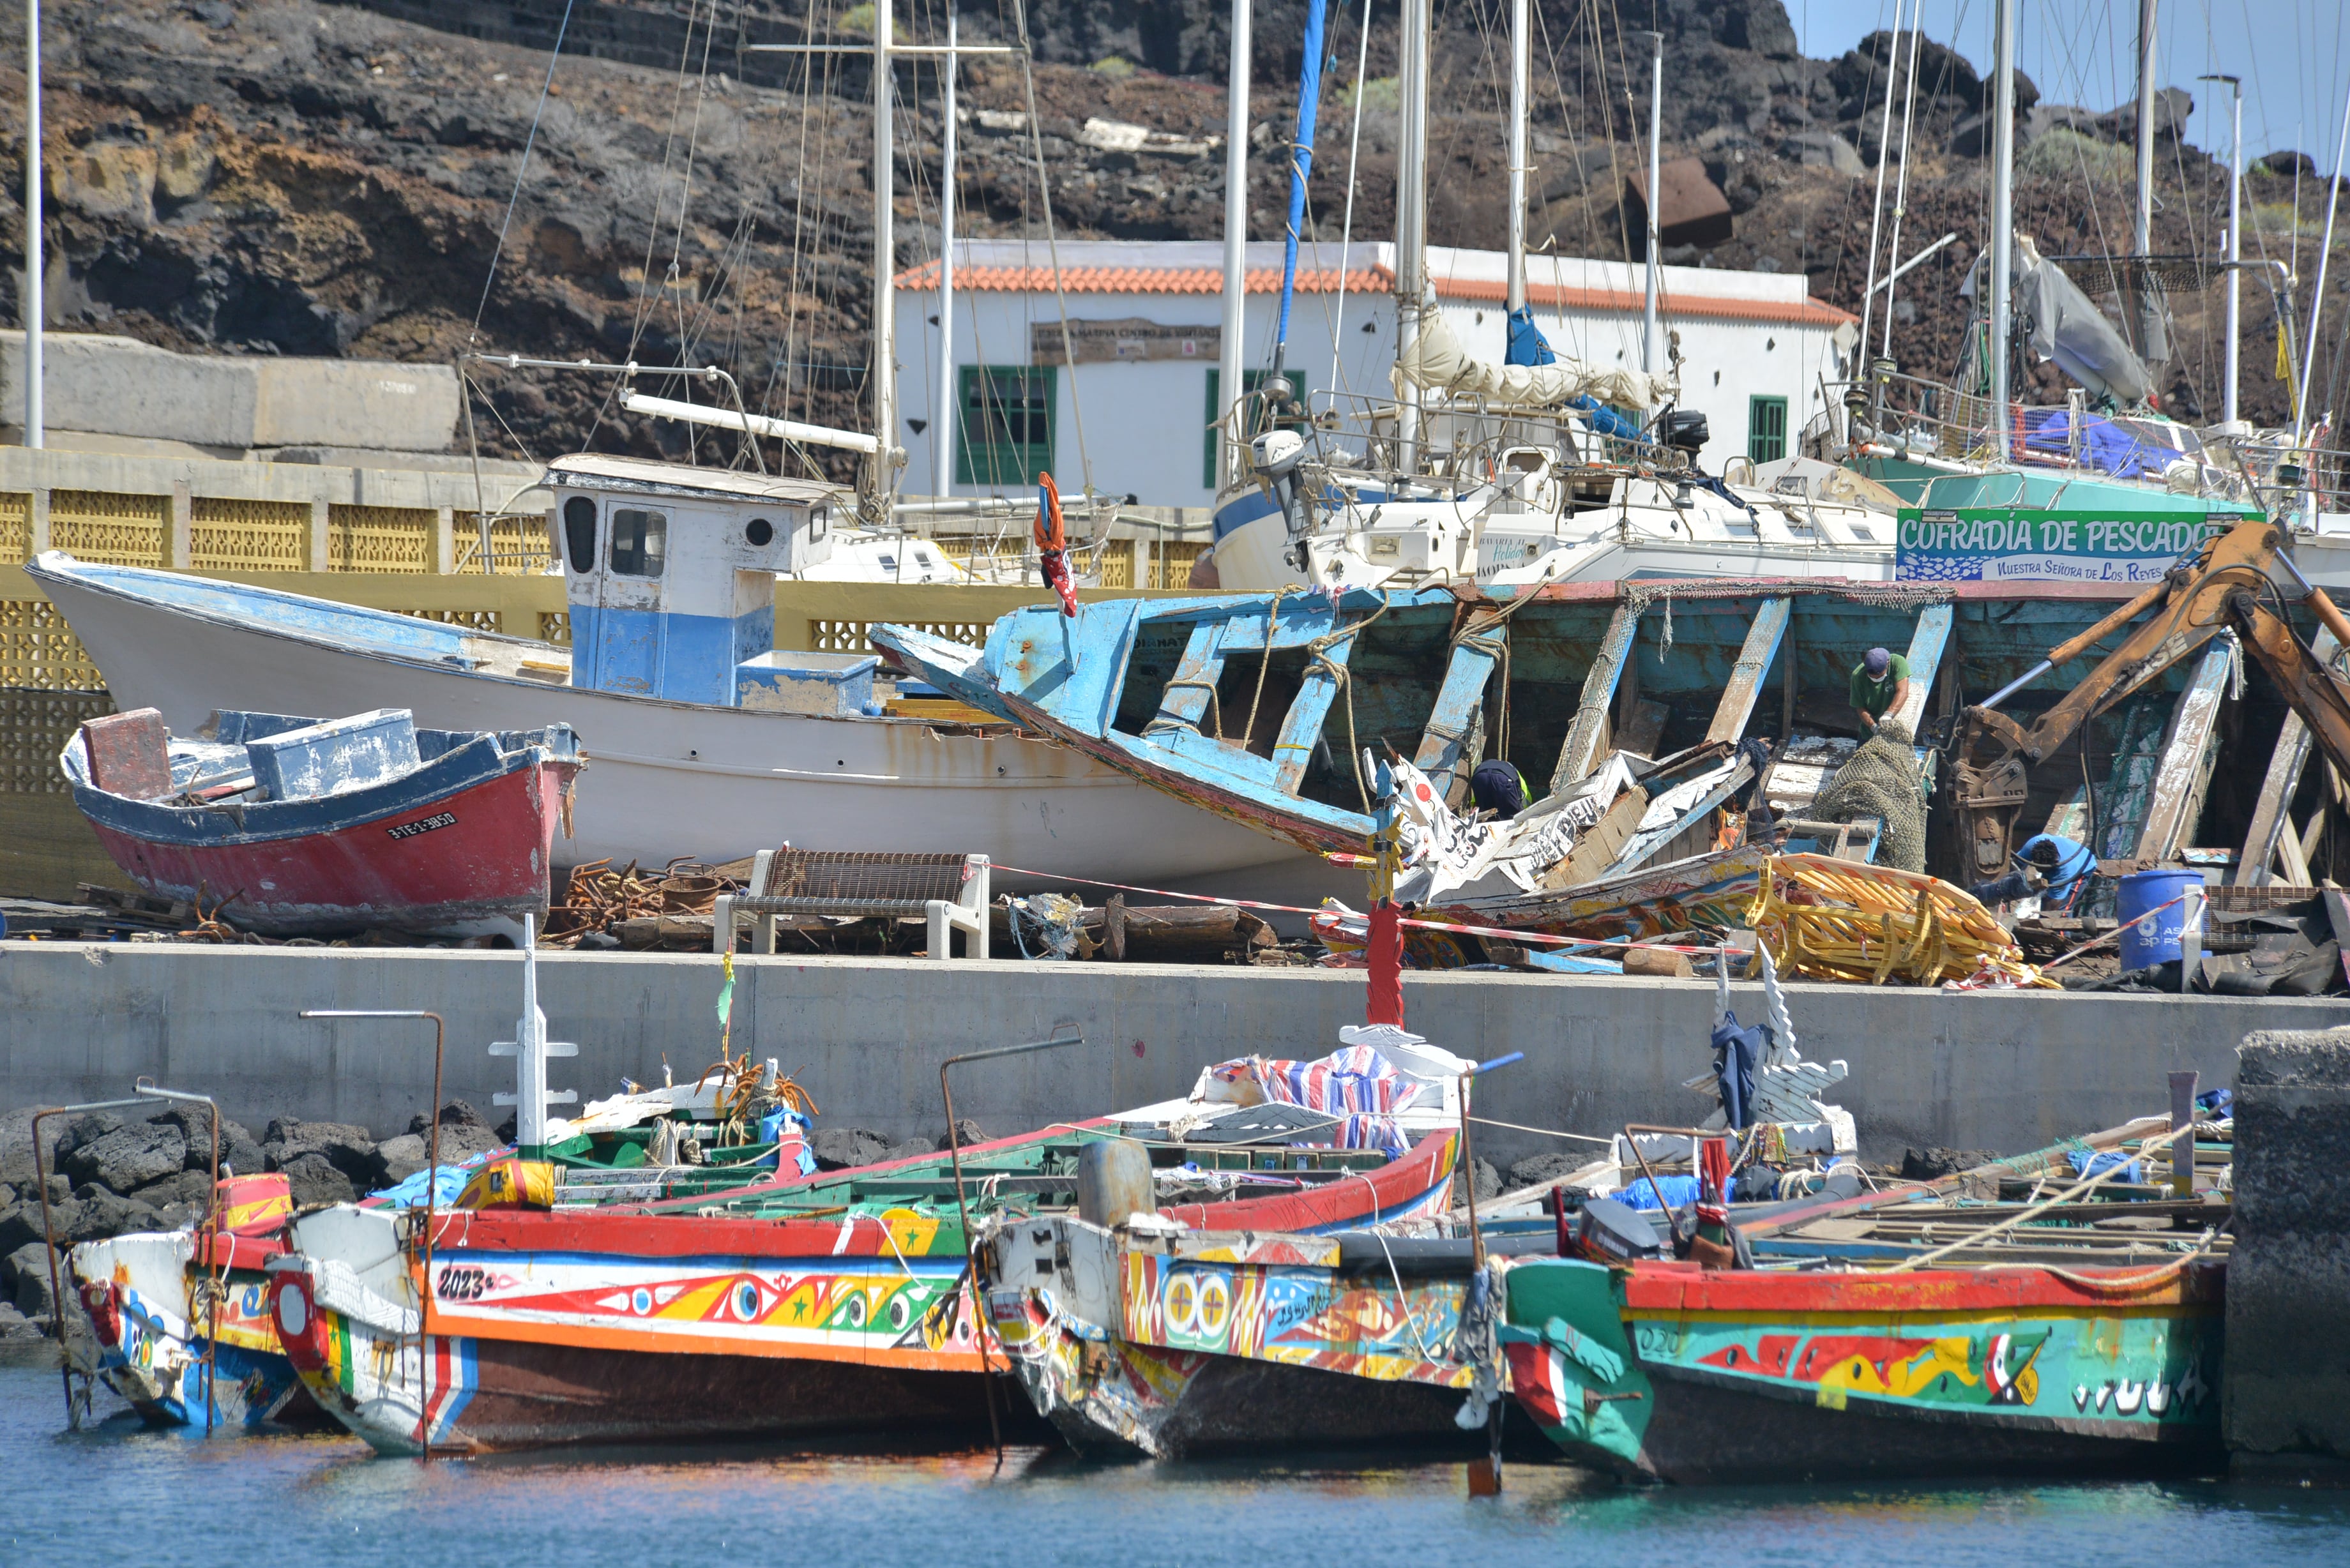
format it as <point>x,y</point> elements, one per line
<point>102,1214</point>
<point>24,1280</point>
<point>128,1158</point>
<point>315,1179</point>
<point>184,1188</point>
<point>1542,1167</point>
<point>966,1132</point>
<point>15,1325</point>
<point>1933,1164</point>
<point>844,1148</point>
<point>455,1114</point>
<point>346,1148</point>
<point>240,1151</point>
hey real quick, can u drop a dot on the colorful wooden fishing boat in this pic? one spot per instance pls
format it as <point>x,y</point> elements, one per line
<point>182,1317</point>
<point>292,827</point>
<point>835,1304</point>
<point>1667,1371</point>
<point>1132,1342</point>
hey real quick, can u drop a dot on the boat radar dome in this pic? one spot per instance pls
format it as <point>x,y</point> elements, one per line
<point>669,571</point>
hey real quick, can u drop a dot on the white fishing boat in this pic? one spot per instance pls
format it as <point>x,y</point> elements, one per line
<point>702,741</point>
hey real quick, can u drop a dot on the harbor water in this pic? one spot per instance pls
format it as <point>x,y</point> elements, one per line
<point>116,1493</point>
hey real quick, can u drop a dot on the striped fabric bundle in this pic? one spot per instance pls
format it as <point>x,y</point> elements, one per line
<point>1354,1083</point>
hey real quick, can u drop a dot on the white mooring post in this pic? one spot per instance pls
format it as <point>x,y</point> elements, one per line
<point>530,1047</point>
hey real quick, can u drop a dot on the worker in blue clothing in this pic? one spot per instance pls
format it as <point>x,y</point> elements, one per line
<point>2051,865</point>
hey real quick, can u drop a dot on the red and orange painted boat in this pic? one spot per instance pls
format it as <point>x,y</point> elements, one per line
<point>837,1303</point>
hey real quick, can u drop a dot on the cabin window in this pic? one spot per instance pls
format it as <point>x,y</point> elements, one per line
<point>640,540</point>
<point>759,533</point>
<point>579,532</point>
<point>1254,381</point>
<point>1007,414</point>
<point>1766,428</point>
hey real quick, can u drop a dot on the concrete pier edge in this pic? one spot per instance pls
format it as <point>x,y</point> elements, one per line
<point>2001,1070</point>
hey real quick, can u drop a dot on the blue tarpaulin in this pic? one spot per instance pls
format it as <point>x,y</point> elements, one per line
<point>1679,1192</point>
<point>2105,445</point>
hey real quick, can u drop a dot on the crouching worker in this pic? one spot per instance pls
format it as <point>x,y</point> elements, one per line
<point>2052,865</point>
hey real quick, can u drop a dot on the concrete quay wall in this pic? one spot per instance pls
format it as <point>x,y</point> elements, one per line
<point>2006,1071</point>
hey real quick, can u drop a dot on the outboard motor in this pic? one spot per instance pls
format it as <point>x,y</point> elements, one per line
<point>1275,455</point>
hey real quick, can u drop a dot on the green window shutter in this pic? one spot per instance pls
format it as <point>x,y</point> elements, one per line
<point>1006,414</point>
<point>1766,428</point>
<point>1253,380</point>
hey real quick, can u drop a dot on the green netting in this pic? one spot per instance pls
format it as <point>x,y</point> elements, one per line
<point>1881,780</point>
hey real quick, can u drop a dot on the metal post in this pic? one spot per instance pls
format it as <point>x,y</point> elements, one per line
<point>1520,74</point>
<point>1411,214</point>
<point>962,1212</point>
<point>1236,314</point>
<point>2147,324</point>
<point>885,266</point>
<point>2317,308</point>
<point>34,310</point>
<point>2003,216</point>
<point>942,412</point>
<point>1652,349</point>
<point>2235,244</point>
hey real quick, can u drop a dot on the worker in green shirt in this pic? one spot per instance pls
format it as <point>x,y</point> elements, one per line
<point>1880,685</point>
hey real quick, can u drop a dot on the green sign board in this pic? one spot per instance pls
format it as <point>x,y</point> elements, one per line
<point>2054,545</point>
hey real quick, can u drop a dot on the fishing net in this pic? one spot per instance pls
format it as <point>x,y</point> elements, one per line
<point>1881,780</point>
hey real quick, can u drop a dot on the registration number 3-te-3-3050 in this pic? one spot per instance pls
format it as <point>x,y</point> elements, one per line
<point>423,824</point>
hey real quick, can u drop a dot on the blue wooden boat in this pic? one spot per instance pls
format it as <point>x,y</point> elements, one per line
<point>1293,711</point>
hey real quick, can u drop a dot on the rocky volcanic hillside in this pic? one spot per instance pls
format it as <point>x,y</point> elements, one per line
<point>291,177</point>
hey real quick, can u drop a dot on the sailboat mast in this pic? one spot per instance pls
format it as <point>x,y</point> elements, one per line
<point>884,286</point>
<point>2235,244</point>
<point>1411,214</point>
<point>1235,316</point>
<point>1652,351</point>
<point>2002,218</point>
<point>943,413</point>
<point>32,311</point>
<point>2148,325</point>
<point>1521,78</point>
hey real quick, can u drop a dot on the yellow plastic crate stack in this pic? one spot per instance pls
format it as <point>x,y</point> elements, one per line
<point>1835,920</point>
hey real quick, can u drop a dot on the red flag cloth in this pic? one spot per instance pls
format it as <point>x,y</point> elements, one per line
<point>1053,543</point>
<point>1386,1005</point>
<point>1714,1170</point>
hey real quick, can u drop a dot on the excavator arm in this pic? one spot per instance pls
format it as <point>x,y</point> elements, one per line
<point>2227,583</point>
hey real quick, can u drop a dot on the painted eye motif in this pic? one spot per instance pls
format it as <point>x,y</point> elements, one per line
<point>855,1311</point>
<point>746,1302</point>
<point>640,1300</point>
<point>900,1315</point>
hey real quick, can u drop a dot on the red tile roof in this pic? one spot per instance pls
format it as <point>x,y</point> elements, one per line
<point>1362,280</point>
<point>1143,279</point>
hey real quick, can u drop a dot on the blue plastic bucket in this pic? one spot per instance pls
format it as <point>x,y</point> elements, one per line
<point>2152,938</point>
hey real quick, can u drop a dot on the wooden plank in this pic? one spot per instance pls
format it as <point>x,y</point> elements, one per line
<point>2185,764</point>
<point>1579,754</point>
<point>1459,702</point>
<point>2271,823</point>
<point>1293,749</point>
<point>1927,643</point>
<point>1649,840</point>
<point>1764,635</point>
<point>1185,700</point>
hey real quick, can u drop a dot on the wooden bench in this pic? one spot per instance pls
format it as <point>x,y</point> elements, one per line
<point>950,890</point>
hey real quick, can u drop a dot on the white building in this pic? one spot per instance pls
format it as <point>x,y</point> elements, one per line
<point>1132,406</point>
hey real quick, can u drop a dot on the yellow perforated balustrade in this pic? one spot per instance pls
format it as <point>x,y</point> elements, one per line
<point>118,530</point>
<point>39,651</point>
<point>238,535</point>
<point>16,527</point>
<point>379,539</point>
<point>518,543</point>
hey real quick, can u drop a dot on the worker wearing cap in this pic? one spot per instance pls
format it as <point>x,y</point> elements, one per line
<point>1880,685</point>
<point>2051,865</point>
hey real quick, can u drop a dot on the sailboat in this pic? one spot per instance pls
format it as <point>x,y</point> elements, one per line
<point>1515,475</point>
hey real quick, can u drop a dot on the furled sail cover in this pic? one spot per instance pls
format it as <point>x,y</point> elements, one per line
<point>2068,327</point>
<point>1435,362</point>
